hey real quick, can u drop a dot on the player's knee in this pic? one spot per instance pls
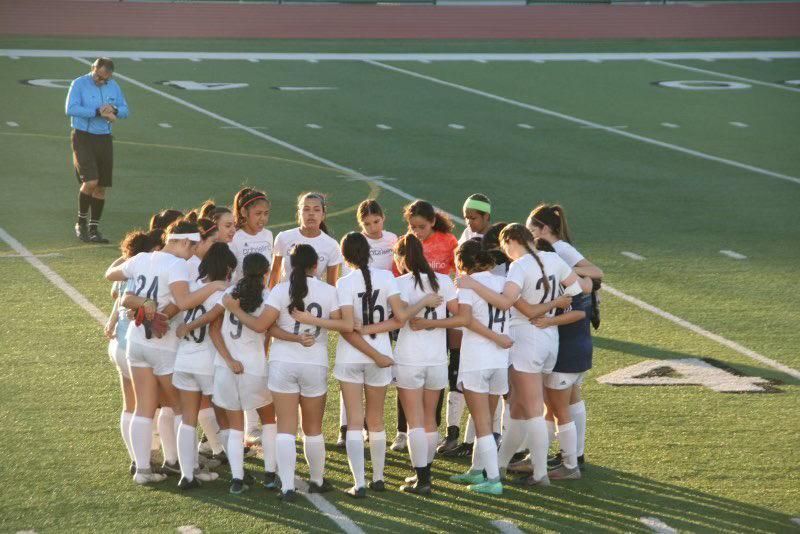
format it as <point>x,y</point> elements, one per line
<point>99,192</point>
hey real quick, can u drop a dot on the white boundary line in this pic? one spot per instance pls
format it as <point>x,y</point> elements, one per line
<point>724,75</point>
<point>656,525</point>
<point>585,122</point>
<point>506,527</point>
<point>57,281</point>
<point>633,255</point>
<point>314,56</point>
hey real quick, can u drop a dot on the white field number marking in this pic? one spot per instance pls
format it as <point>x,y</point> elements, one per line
<point>738,124</point>
<point>12,124</point>
<point>704,85</point>
<point>732,254</point>
<point>456,126</point>
<point>165,125</point>
<point>190,85</point>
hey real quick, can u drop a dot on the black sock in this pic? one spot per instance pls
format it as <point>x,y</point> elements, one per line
<point>84,201</point>
<point>96,205</point>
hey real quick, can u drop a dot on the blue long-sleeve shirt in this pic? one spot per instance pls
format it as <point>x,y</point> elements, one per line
<point>84,99</point>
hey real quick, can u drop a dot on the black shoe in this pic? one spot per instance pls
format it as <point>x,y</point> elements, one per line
<point>450,441</point>
<point>95,236</point>
<point>325,487</point>
<point>271,481</point>
<point>132,469</point>
<point>417,488</point>
<point>342,441</point>
<point>82,231</point>
<point>222,457</point>
<point>357,493</point>
<point>287,496</point>
<point>555,460</point>
<point>581,462</point>
<point>171,468</point>
<point>518,457</point>
<point>463,449</point>
<point>377,485</point>
<point>238,486</point>
<point>184,484</point>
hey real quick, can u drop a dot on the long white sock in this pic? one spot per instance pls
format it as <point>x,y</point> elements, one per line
<point>251,422</point>
<point>433,440</point>
<point>469,434</point>
<point>514,436</point>
<point>568,438</point>
<point>537,443</point>
<point>208,422</point>
<point>342,412</point>
<point>354,443</point>
<point>497,419</point>
<point>155,441</point>
<point>487,451</point>
<point>166,430</point>
<point>125,429</point>
<point>287,457</point>
<point>418,447</point>
<point>377,454</point>
<point>506,416</point>
<point>551,432</point>
<point>223,439</point>
<point>455,408</point>
<point>477,460</point>
<point>236,453</point>
<point>187,450</point>
<point>314,451</point>
<point>268,433</point>
<point>141,434</point>
<point>578,413</point>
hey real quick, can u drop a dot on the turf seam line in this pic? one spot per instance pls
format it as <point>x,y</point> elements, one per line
<point>724,75</point>
<point>51,275</point>
<point>578,120</point>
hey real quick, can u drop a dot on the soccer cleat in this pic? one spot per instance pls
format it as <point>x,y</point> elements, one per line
<point>470,477</point>
<point>146,476</point>
<point>341,441</point>
<point>519,456</point>
<point>253,437</point>
<point>171,468</point>
<point>82,231</point>
<point>204,447</point>
<point>460,451</point>
<point>410,480</point>
<point>489,488</point>
<point>205,476</point>
<point>287,496</point>
<point>132,468</point>
<point>185,484</point>
<point>417,488</point>
<point>238,486</point>
<point>209,463</point>
<point>554,460</point>
<point>400,442</point>
<point>357,493</point>
<point>562,472</point>
<point>530,481</point>
<point>249,452</point>
<point>325,487</point>
<point>221,457</point>
<point>377,485</point>
<point>95,236</point>
<point>271,481</point>
<point>450,441</point>
<point>522,466</point>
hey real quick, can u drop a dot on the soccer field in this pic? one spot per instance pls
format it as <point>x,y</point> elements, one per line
<point>686,194</point>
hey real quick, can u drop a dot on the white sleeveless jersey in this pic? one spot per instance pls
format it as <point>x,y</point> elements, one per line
<point>424,347</point>
<point>244,244</point>
<point>326,247</point>
<point>244,344</point>
<point>351,290</point>
<point>477,352</point>
<point>321,301</point>
<point>149,275</point>
<point>527,275</point>
<point>196,350</point>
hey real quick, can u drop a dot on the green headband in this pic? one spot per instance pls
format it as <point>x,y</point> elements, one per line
<point>477,205</point>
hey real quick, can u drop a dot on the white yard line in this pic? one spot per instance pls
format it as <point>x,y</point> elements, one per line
<point>424,58</point>
<point>584,122</point>
<point>383,126</point>
<point>732,254</point>
<point>525,126</point>
<point>165,125</point>
<point>738,124</point>
<point>632,255</point>
<point>327,509</point>
<point>724,75</point>
<point>456,126</point>
<point>506,527</point>
<point>12,124</point>
<point>656,525</point>
<point>669,125</point>
<point>314,126</point>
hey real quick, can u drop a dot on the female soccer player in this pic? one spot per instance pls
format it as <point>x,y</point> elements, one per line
<point>533,281</point>
<point>194,362</point>
<point>251,215</point>
<point>159,279</point>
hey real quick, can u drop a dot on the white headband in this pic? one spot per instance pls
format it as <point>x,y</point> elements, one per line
<point>191,237</point>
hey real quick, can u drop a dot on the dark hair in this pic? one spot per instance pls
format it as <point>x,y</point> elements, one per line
<point>355,249</point>
<point>520,234</point>
<point>210,210</point>
<point>368,207</point>
<point>182,226</point>
<point>302,257</point>
<point>471,257</point>
<point>482,198</point>
<point>322,200</point>
<point>249,289</point>
<point>409,249</point>
<point>207,228</point>
<point>491,243</point>
<point>543,245</point>
<point>104,63</point>
<point>164,218</point>
<point>552,216</point>
<point>421,208</point>
<point>243,199</point>
<point>218,263</point>
<point>136,242</point>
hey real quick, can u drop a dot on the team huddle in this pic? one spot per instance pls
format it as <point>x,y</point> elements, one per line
<point>217,324</point>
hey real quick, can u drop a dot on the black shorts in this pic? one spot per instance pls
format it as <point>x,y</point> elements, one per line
<point>93,157</point>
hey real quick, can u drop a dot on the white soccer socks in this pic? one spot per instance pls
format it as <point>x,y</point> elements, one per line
<point>287,457</point>
<point>578,413</point>
<point>377,453</point>
<point>268,434</point>
<point>354,443</point>
<point>314,450</point>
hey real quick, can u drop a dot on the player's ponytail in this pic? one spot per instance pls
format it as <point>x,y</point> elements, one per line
<point>471,257</point>
<point>355,249</point>
<point>249,289</point>
<point>302,259</point>
<point>412,259</point>
<point>553,217</point>
<point>207,228</point>
<point>218,263</point>
<point>491,243</point>
<point>136,242</point>
<point>164,218</point>
<point>420,208</point>
<point>523,236</point>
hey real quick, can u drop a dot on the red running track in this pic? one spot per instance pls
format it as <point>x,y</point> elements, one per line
<point>343,21</point>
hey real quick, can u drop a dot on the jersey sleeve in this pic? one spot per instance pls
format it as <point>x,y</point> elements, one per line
<point>343,292</point>
<point>465,296</point>
<point>391,286</point>
<point>279,246</point>
<point>336,254</point>
<point>274,300</point>
<point>129,267</point>
<point>448,289</point>
<point>564,270</point>
<point>516,274</point>
<point>178,272</point>
<point>333,297</point>
<point>568,253</point>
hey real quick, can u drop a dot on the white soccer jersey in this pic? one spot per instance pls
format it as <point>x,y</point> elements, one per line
<point>380,251</point>
<point>244,244</point>
<point>468,234</point>
<point>150,275</point>
<point>194,268</point>
<point>327,249</point>
<point>527,275</point>
<point>244,344</point>
<point>351,292</point>
<point>196,350</point>
<point>424,347</point>
<point>568,253</point>
<point>321,301</point>
<point>477,352</point>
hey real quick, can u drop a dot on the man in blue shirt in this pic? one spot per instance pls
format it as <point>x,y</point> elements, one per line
<point>94,102</point>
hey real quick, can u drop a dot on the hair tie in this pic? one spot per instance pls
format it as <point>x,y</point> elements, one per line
<point>259,196</point>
